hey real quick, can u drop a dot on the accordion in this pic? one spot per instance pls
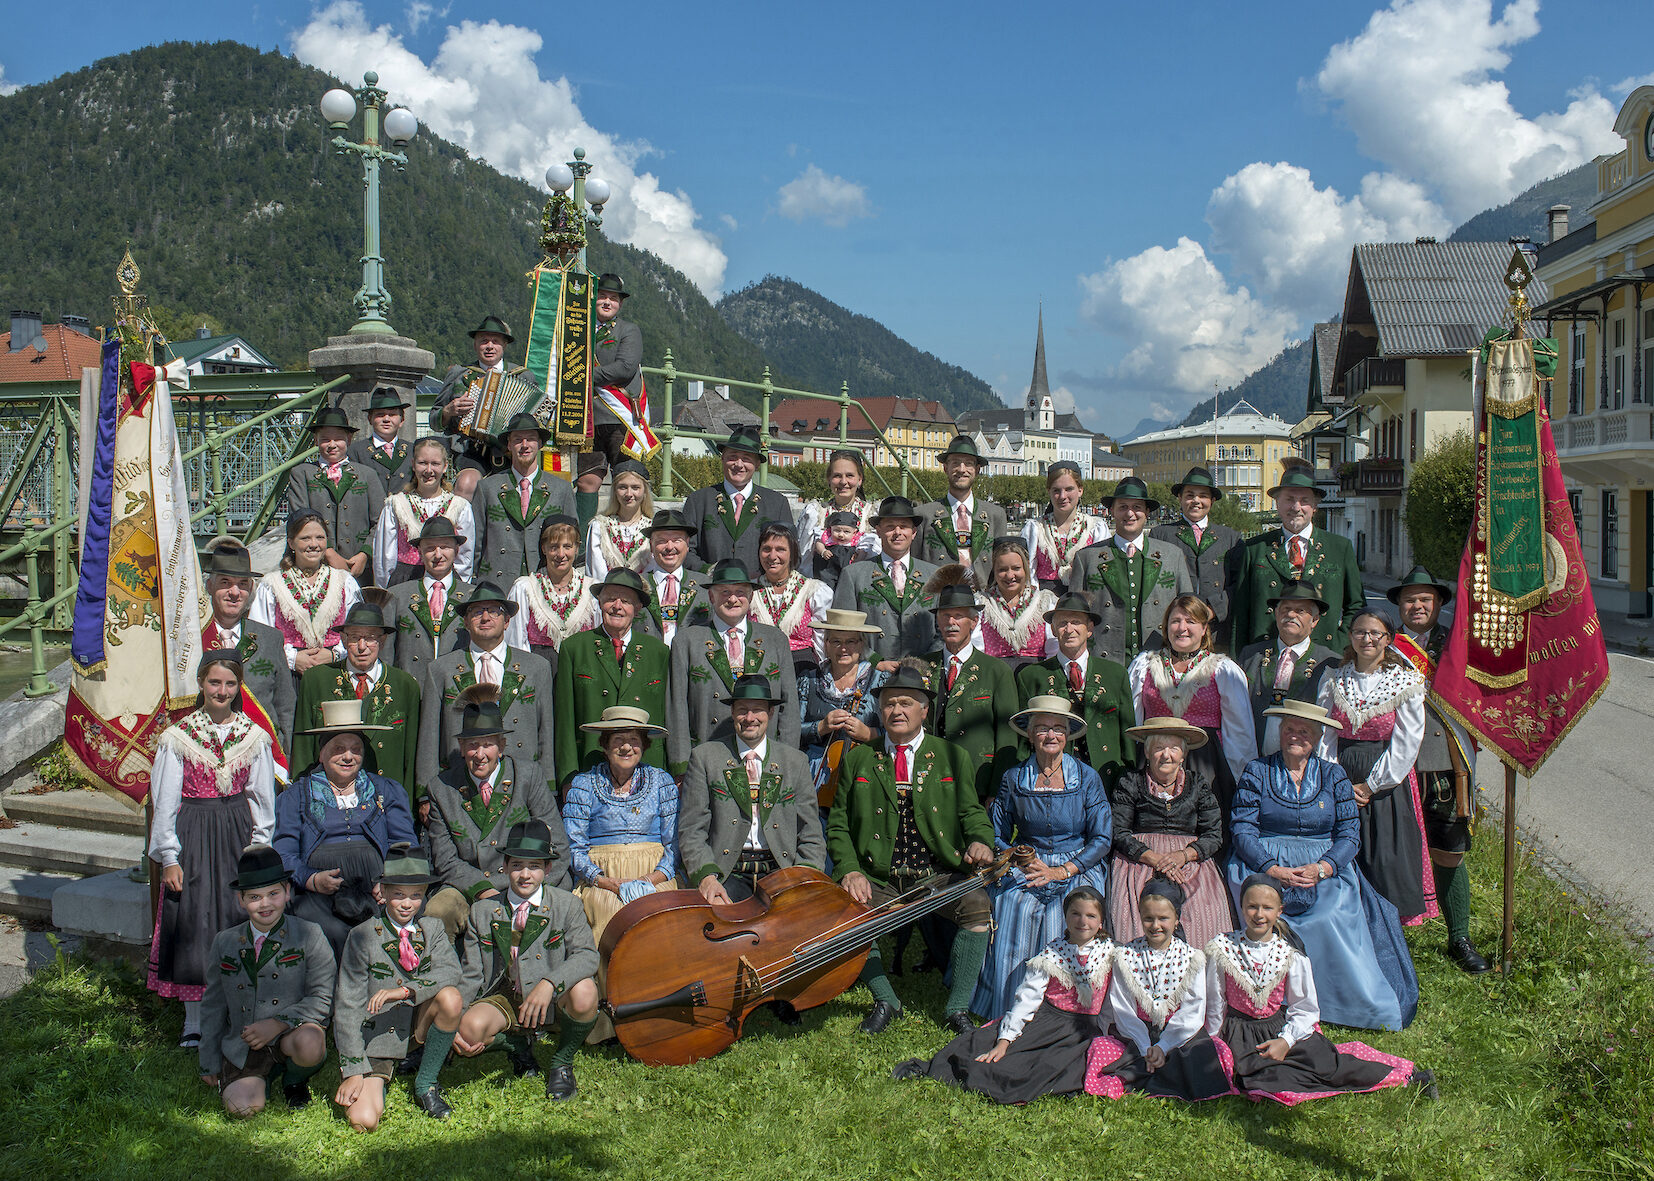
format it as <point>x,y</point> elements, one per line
<point>500,396</point>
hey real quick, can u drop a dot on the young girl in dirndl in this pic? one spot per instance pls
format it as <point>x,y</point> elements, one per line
<point>212,788</point>
<point>556,600</point>
<point>616,539</point>
<point>306,600</point>
<point>427,494</point>
<point>1262,1012</point>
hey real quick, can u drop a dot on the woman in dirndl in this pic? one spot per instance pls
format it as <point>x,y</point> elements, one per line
<point>1056,804</point>
<point>1063,529</point>
<point>1167,824</point>
<point>1377,697</point>
<point>1012,624</point>
<point>213,791</point>
<point>785,599</point>
<point>555,601</point>
<point>427,494</point>
<point>622,821</point>
<point>616,538</point>
<point>306,600</point>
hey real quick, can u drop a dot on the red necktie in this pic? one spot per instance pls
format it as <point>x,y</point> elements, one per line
<point>902,773</point>
<point>1200,531</point>
<point>620,648</point>
<point>740,499</point>
<point>361,685</point>
<point>732,645</point>
<point>335,471</point>
<point>670,598</point>
<point>755,772</point>
<point>1283,674</point>
<point>953,673</point>
<point>258,944</point>
<point>519,920</point>
<point>1295,548</point>
<point>898,575</point>
<point>525,489</point>
<point>405,950</point>
<point>485,789</point>
<point>436,600</point>
<point>1076,680</point>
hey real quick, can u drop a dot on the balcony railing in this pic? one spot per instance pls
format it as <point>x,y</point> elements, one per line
<point>1374,373</point>
<point>1373,477</point>
<point>1605,430</point>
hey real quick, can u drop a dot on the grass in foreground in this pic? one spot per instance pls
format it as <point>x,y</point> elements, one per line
<point>1547,1074</point>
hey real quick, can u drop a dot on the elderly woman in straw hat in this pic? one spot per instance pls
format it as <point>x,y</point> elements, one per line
<point>1167,824</point>
<point>337,822</point>
<point>1056,804</point>
<point>839,698</point>
<point>1294,818</point>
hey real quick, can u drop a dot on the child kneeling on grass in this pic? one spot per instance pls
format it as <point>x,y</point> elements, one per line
<point>268,995</point>
<point>398,985</point>
<point>525,952</point>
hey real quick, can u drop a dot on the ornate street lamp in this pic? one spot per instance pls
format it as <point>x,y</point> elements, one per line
<point>566,218</point>
<point>373,302</point>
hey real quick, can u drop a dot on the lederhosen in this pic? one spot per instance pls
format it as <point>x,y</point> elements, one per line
<point>1444,829</point>
<point>752,864</point>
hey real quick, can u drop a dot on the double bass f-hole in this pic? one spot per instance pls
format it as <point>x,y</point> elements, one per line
<point>706,933</point>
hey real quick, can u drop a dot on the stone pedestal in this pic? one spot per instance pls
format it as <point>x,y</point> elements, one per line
<point>372,360</point>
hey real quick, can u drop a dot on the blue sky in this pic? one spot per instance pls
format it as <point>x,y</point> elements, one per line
<point>1180,184</point>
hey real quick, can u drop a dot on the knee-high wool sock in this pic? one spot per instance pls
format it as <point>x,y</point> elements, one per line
<point>970,948</point>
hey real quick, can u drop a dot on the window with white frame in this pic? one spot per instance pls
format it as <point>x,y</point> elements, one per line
<point>1576,371</point>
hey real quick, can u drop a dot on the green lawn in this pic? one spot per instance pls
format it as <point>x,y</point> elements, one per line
<point>1545,1075</point>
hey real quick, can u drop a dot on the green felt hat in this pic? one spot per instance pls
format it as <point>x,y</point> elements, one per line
<point>231,561</point>
<point>330,416</point>
<point>668,520</point>
<point>894,507</point>
<point>752,687</point>
<point>488,592</point>
<point>743,438</point>
<point>958,594</point>
<point>1077,603</point>
<point>609,281</point>
<point>1131,488</point>
<point>386,398</point>
<point>626,580</point>
<point>1303,592</point>
<point>1419,576</point>
<point>529,840</point>
<point>1198,477</point>
<point>440,528</point>
<point>495,325</point>
<point>729,572</point>
<point>366,615</point>
<point>481,717</point>
<point>404,869</point>
<point>966,446</point>
<point>1298,478</point>
<point>259,866</point>
<point>526,422</point>
<point>907,680</point>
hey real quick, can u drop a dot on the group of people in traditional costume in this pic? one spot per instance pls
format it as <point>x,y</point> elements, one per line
<point>465,724</point>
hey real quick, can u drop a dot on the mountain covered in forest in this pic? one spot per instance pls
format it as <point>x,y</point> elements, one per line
<point>822,344</point>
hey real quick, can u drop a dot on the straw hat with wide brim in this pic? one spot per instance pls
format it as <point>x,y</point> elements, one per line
<point>837,620</point>
<point>623,717</point>
<point>1307,710</point>
<point>1056,706</point>
<point>1168,727</point>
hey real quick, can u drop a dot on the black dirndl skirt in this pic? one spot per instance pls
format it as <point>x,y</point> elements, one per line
<point>360,864</point>
<point>1313,1066</point>
<point>213,831</point>
<point>1392,847</point>
<point>1048,1058</point>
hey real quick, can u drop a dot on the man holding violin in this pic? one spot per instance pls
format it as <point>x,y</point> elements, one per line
<point>747,804</point>
<point>907,817</point>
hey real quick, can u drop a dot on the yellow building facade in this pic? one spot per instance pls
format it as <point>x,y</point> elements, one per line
<point>1243,449</point>
<point>1601,310</point>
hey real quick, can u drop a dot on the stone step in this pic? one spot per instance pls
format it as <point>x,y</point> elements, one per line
<point>77,851</point>
<point>90,810</point>
<point>110,907</point>
<point>27,893</point>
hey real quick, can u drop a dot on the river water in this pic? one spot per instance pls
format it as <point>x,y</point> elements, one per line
<point>16,664</point>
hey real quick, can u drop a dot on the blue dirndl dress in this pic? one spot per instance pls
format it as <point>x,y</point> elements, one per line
<point>1072,824</point>
<point>1352,934</point>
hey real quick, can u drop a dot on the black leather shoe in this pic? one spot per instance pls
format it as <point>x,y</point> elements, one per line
<point>433,1103</point>
<point>879,1016</point>
<point>1463,952</point>
<point>560,1083</point>
<point>297,1094</point>
<point>523,1063</point>
<point>960,1022</point>
<point>1425,1081</point>
<point>911,1069</point>
<point>786,1014</point>
<point>410,1064</point>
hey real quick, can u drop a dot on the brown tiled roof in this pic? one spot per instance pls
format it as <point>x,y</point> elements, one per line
<point>882,410</point>
<point>67,353</point>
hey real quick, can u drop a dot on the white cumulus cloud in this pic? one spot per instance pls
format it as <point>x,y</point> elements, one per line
<point>483,90</point>
<point>1418,88</point>
<point>1190,327</point>
<point>814,195</point>
<point>7,87</point>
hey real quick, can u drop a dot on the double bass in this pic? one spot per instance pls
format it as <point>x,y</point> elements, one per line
<point>683,973</point>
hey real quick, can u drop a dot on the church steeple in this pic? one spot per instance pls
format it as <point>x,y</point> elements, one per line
<point>1040,414</point>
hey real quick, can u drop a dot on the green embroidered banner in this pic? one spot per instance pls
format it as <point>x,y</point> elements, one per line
<point>1515,487</point>
<point>560,348</point>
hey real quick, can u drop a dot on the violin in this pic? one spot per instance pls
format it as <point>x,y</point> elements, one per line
<point>683,974</point>
<point>827,774</point>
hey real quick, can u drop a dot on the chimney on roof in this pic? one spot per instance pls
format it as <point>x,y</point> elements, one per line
<point>1425,240</point>
<point>25,331</point>
<point>1558,219</point>
<point>203,333</point>
<point>78,324</point>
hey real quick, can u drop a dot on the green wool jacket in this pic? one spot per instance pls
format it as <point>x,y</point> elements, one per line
<point>1264,567</point>
<point>393,702</point>
<point>976,714</point>
<point>1106,706</point>
<point>290,978</point>
<point>861,828</point>
<point>555,945</point>
<point>590,680</point>
<point>369,963</point>
<point>394,469</point>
